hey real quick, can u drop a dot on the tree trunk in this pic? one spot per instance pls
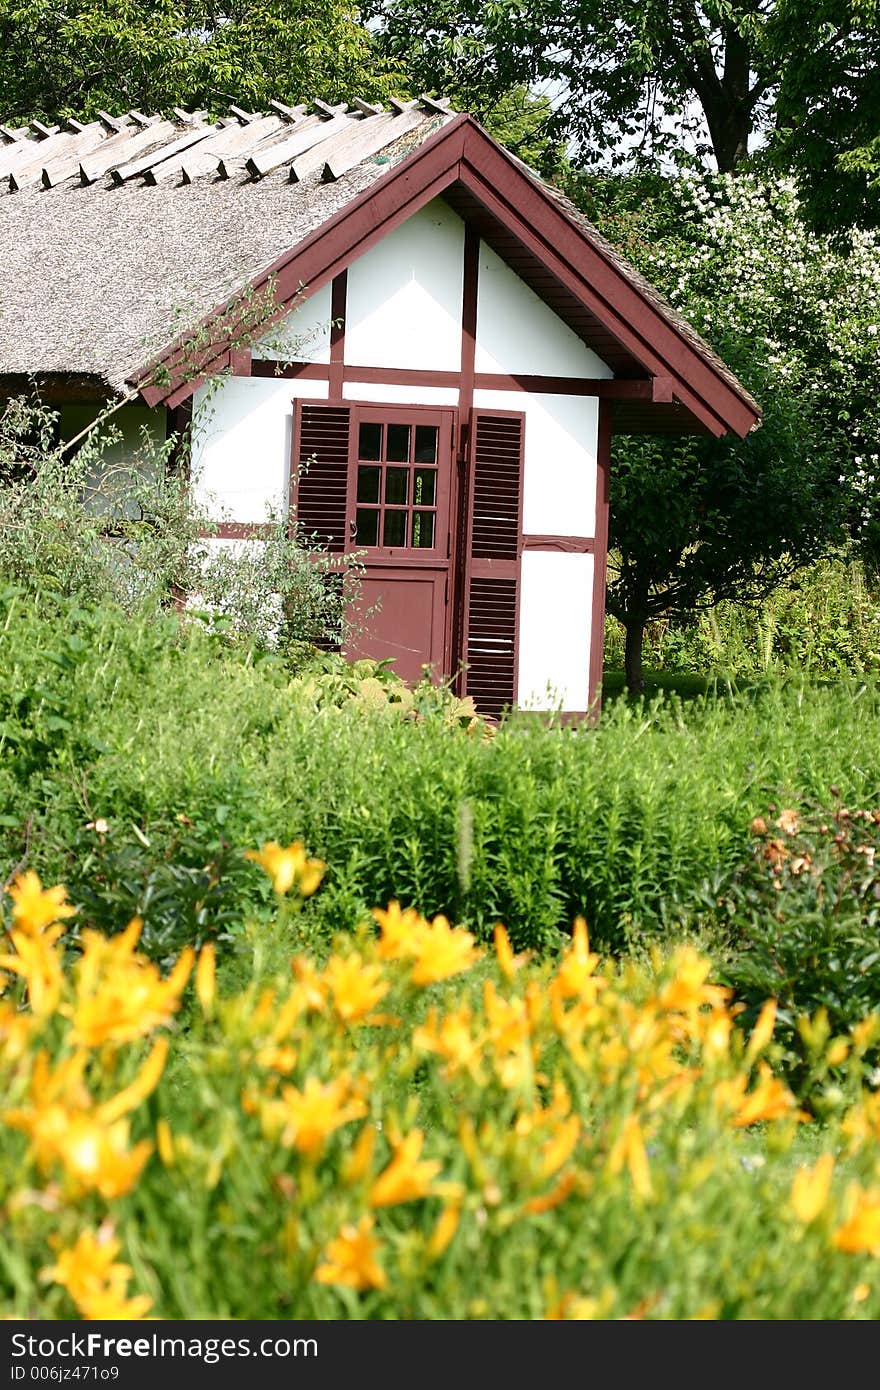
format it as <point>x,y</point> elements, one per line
<point>632,660</point>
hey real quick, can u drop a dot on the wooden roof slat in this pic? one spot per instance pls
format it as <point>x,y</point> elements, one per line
<point>18,153</point>
<point>140,119</point>
<point>326,109</point>
<point>438,104</point>
<point>123,172</point>
<point>189,117</point>
<point>349,150</point>
<point>72,148</point>
<point>234,140</point>
<point>45,130</point>
<point>312,130</point>
<point>18,156</point>
<point>9,134</point>
<point>119,149</point>
<point>244,116</point>
<point>290,113</point>
<point>117,123</point>
<point>368,108</point>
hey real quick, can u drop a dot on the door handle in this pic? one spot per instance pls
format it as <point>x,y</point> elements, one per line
<point>352,528</point>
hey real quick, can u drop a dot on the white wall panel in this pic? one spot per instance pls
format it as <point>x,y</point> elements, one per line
<point>405,293</point>
<point>555,616</point>
<point>399,394</point>
<point>241,444</point>
<point>304,336</point>
<point>517,332</point>
<point>559,472</point>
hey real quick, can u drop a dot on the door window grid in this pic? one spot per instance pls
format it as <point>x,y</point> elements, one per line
<point>396,485</point>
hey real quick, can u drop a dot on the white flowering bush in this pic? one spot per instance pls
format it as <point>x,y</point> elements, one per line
<point>697,521</point>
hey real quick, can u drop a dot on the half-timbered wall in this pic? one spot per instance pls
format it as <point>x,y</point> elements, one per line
<point>402,308</point>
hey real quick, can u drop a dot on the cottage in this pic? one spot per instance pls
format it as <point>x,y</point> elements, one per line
<point>439,347</point>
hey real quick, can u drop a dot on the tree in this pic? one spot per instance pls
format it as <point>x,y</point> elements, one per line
<point>698,520</point>
<point>684,82</point>
<point>828,110</point>
<point>77,57</point>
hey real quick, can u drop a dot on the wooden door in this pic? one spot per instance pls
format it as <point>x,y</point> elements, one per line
<point>377,479</point>
<point>399,519</point>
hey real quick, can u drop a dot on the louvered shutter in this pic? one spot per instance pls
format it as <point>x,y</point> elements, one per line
<point>492,587</point>
<point>320,474</point>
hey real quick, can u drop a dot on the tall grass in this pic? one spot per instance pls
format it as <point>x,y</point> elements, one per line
<point>826,621</point>
<point>184,749</point>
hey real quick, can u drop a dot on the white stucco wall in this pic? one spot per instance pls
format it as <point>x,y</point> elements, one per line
<point>242,436</point>
<point>304,335</point>
<point>405,293</point>
<point>517,332</point>
<point>396,393</point>
<point>559,465</point>
<point>556,595</point>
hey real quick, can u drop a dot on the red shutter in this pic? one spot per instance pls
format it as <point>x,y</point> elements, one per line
<point>492,589</point>
<point>320,474</point>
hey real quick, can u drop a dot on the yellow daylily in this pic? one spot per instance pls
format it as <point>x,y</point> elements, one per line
<point>95,1282</point>
<point>351,1259</point>
<point>560,1146</point>
<point>120,995</point>
<point>289,868</point>
<point>440,951</point>
<point>445,1229</point>
<point>770,1100</point>
<point>406,1178</point>
<point>629,1149</point>
<point>451,1038</point>
<point>38,963</point>
<point>307,1117</point>
<point>34,907</point>
<point>206,978</point>
<point>399,930</point>
<point>575,977</point>
<point>508,963</point>
<point>355,986</point>
<point>762,1031</point>
<point>810,1187</point>
<point>862,1231</point>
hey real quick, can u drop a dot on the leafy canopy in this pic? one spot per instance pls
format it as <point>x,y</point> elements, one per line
<point>702,85</point>
<point>77,57</point>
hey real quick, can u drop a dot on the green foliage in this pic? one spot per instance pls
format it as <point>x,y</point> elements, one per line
<point>826,127</point>
<point>131,534</point>
<point>698,521</point>
<point>85,56</point>
<point>801,922</point>
<point>141,721</point>
<point>825,621</point>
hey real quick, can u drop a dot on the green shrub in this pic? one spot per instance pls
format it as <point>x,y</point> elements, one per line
<point>802,924</point>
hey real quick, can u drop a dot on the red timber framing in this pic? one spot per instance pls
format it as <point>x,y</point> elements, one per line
<point>462,162</point>
<point>466,586</point>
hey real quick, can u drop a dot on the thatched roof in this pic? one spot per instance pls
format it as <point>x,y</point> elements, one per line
<point>121,235</point>
<point>102,269</point>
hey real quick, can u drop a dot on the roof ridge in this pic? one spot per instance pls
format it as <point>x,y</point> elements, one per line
<point>186,145</point>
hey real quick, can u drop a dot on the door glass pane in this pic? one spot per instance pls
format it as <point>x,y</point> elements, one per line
<point>396,486</point>
<point>395,528</point>
<point>424,487</point>
<point>367,527</point>
<point>370,441</point>
<point>368,484</point>
<point>398,444</point>
<point>423,530</point>
<point>426,444</point>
